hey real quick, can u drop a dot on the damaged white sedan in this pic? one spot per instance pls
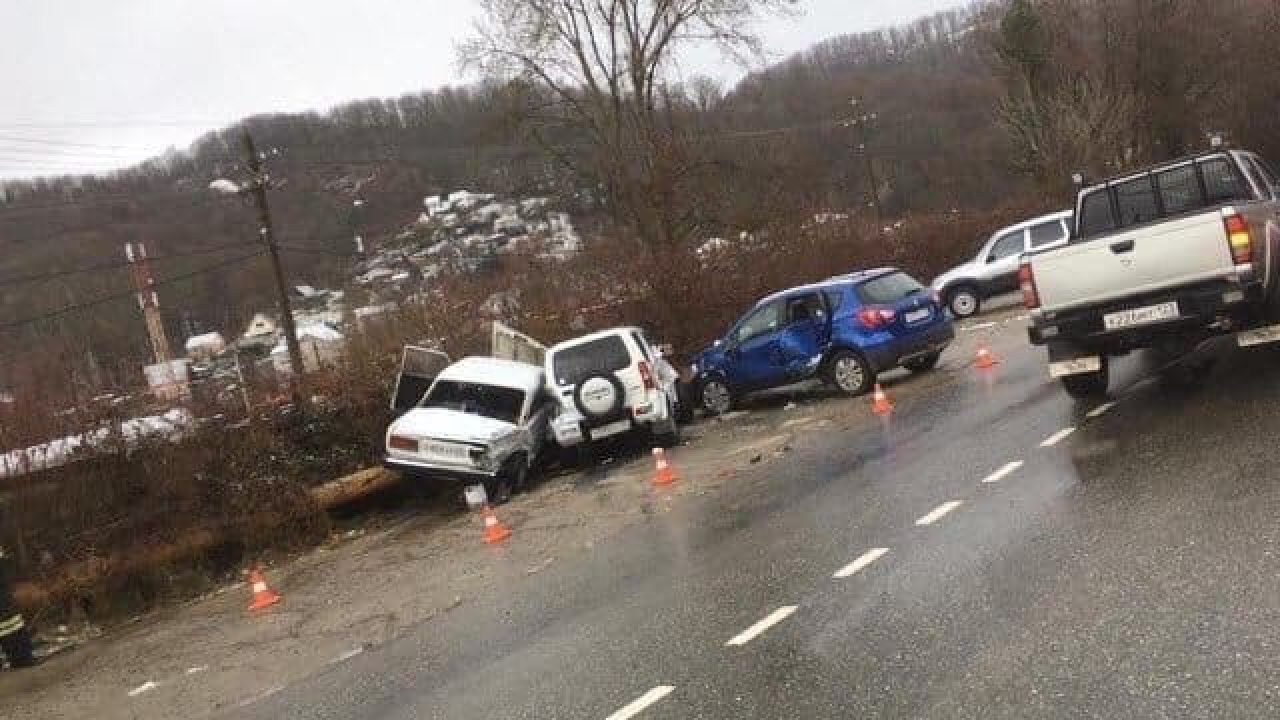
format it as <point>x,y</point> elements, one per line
<point>481,420</point>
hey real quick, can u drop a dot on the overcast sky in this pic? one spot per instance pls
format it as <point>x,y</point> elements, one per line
<point>93,84</point>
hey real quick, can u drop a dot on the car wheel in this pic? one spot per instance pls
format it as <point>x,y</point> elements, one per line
<point>850,373</point>
<point>513,476</point>
<point>669,437</point>
<point>1089,386</point>
<point>685,403</point>
<point>715,397</point>
<point>1186,375</point>
<point>923,364</point>
<point>964,302</point>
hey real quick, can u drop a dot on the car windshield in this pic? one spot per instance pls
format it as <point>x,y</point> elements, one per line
<point>888,289</point>
<point>491,401</point>
<point>576,363</point>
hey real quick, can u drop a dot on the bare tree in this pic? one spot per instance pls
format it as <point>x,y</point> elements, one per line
<point>597,78</point>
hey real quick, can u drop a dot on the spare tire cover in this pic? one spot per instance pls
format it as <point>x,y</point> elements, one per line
<point>599,396</point>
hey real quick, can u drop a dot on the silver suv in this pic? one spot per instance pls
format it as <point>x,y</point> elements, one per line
<point>994,270</point>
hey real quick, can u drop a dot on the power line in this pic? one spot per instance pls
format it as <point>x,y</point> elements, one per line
<point>69,309</point>
<point>25,279</point>
<point>112,124</point>
<point>56,153</point>
<point>65,143</point>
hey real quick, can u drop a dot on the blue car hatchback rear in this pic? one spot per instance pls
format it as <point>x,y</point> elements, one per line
<point>846,330</point>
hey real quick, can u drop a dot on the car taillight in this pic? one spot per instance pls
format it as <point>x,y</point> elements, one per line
<point>646,375</point>
<point>1238,239</point>
<point>1027,281</point>
<point>400,442</point>
<point>873,318</point>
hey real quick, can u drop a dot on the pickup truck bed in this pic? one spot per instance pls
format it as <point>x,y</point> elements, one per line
<point>1162,258</point>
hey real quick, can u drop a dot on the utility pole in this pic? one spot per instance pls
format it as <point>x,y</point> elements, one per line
<point>257,187</point>
<point>145,285</point>
<point>861,122</point>
<point>357,217</point>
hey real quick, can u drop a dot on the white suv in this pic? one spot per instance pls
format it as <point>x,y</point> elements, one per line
<point>609,383</point>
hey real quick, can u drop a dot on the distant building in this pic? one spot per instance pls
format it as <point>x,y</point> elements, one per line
<point>261,325</point>
<point>206,346</point>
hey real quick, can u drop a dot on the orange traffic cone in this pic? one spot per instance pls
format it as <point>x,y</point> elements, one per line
<point>880,403</point>
<point>986,359</point>
<point>662,472</point>
<point>494,531</point>
<point>263,596</point>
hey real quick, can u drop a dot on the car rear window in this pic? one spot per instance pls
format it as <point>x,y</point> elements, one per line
<point>574,364</point>
<point>1179,189</point>
<point>491,401</point>
<point>888,289</point>
<point>1222,183</point>
<point>1136,201</point>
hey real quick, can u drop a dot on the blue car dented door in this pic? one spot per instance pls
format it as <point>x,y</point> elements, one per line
<point>845,330</point>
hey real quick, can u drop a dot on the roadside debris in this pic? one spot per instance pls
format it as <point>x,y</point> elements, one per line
<point>534,569</point>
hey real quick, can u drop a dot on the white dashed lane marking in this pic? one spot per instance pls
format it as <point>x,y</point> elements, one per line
<point>637,706</point>
<point>937,513</point>
<point>145,687</point>
<point>1057,437</point>
<point>1100,410</point>
<point>347,655</point>
<point>867,558</point>
<point>756,630</point>
<point>1003,472</point>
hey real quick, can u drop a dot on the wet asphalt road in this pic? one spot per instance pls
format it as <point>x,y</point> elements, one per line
<point>1127,570</point>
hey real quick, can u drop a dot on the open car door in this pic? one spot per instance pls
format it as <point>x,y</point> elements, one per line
<point>418,369</point>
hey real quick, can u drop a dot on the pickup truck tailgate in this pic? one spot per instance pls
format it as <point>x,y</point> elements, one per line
<point>1146,259</point>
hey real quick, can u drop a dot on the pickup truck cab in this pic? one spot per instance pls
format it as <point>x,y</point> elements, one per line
<point>845,331</point>
<point>481,420</point>
<point>1162,258</point>
<point>994,270</point>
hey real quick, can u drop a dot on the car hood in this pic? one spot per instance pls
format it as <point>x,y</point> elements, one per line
<point>446,424</point>
<point>963,271</point>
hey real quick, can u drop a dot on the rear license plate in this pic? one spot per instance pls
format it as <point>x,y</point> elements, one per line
<point>611,429</point>
<point>445,451</point>
<point>1259,336</point>
<point>916,316</point>
<point>1140,316</point>
<point>1075,366</point>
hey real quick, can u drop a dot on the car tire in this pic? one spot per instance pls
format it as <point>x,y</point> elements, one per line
<point>670,437</point>
<point>1186,375</point>
<point>513,477</point>
<point>1089,386</point>
<point>715,397</point>
<point>964,301</point>
<point>685,403</point>
<point>923,364</point>
<point>849,373</point>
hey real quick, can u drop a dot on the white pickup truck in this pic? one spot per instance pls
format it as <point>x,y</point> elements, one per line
<point>1164,258</point>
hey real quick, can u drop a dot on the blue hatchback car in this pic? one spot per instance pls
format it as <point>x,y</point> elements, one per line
<point>845,330</point>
